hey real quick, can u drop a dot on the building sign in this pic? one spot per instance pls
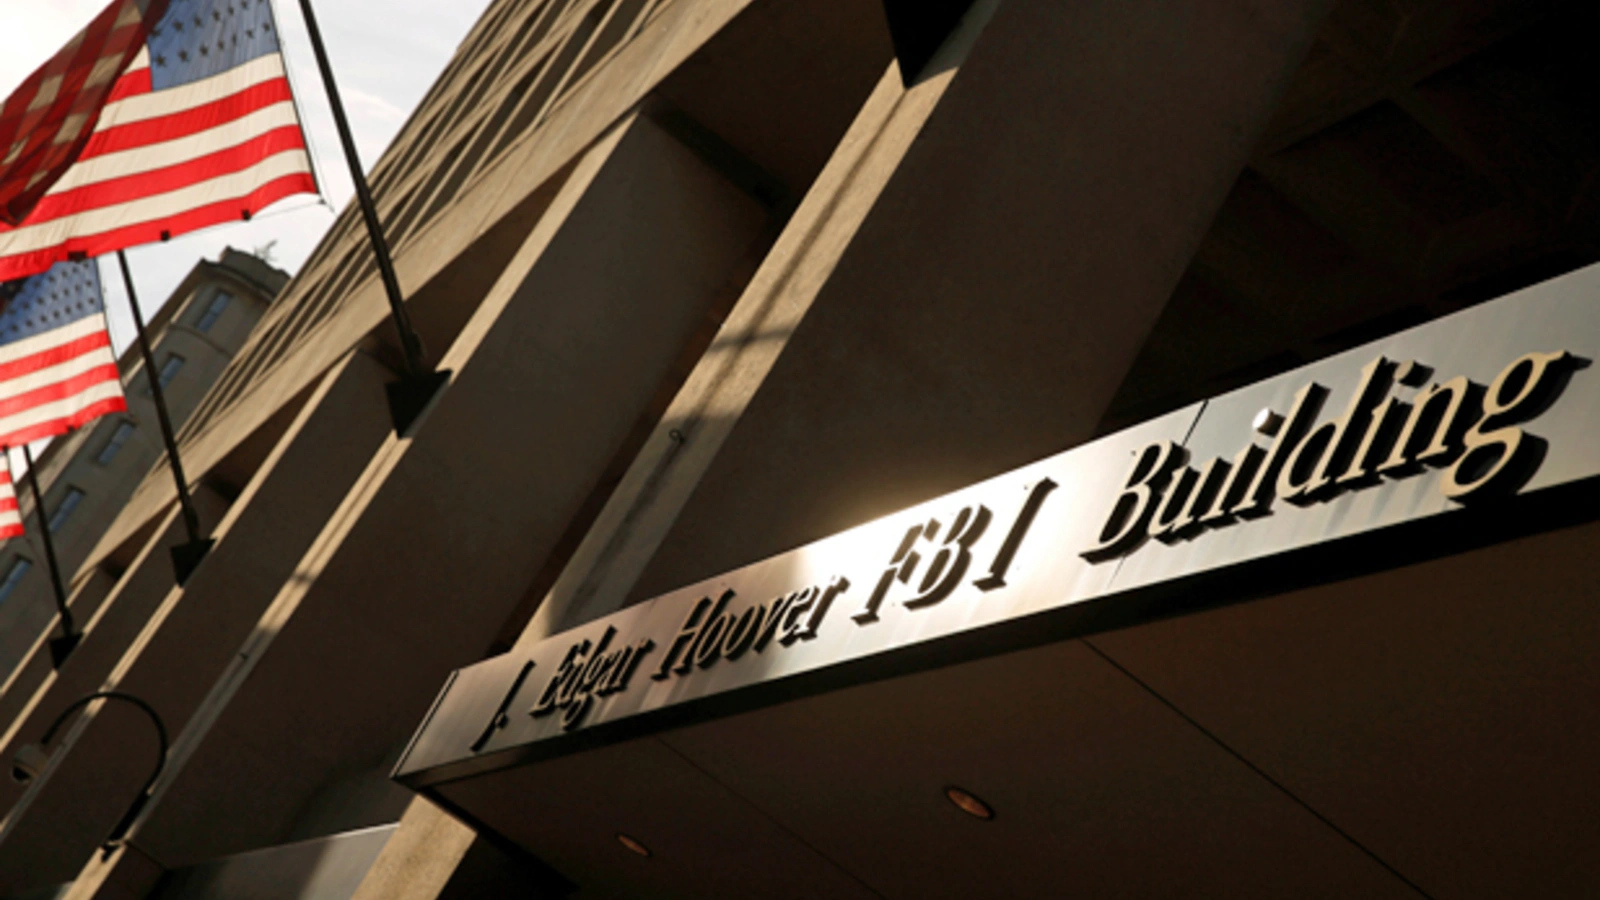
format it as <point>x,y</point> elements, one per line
<point>1484,409</point>
<point>1471,433</point>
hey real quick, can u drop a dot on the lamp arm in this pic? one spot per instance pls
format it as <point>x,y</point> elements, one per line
<point>161,728</point>
<point>161,760</point>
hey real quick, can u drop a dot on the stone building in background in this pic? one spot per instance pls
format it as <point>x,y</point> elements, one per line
<point>719,284</point>
<point>89,474</point>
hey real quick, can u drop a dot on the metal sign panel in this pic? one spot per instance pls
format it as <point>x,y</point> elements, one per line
<point>1473,420</point>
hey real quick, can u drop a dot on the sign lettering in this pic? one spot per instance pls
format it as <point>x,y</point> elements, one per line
<point>1342,450</point>
<point>1471,432</point>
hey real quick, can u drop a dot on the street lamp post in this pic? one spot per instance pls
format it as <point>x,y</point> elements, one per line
<point>30,760</point>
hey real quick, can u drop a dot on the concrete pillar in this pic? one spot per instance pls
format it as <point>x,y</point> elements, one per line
<point>990,303</point>
<point>434,857</point>
<point>186,642</point>
<point>91,590</point>
<point>685,443</point>
<point>125,873</point>
<point>1033,395</point>
<point>52,846</point>
<point>417,568</point>
<point>198,632</point>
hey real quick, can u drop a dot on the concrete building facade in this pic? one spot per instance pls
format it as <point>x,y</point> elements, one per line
<point>720,283</point>
<point>88,475</point>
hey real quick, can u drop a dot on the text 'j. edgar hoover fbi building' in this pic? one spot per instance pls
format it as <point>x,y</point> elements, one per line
<point>893,448</point>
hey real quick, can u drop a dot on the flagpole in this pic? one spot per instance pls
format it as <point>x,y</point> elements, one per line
<point>61,647</point>
<point>185,557</point>
<point>420,382</point>
<point>300,116</point>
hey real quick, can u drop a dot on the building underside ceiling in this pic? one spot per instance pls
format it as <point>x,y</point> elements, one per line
<point>1428,156</point>
<point>1404,734</point>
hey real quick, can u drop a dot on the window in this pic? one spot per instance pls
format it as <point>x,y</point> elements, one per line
<point>64,509</point>
<point>219,302</point>
<point>14,575</point>
<point>114,444</point>
<point>169,370</point>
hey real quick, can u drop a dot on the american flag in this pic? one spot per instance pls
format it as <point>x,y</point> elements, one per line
<point>45,122</point>
<point>201,129</point>
<point>57,370</point>
<point>10,515</point>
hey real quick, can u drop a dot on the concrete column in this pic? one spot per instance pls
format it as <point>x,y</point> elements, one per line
<point>434,857</point>
<point>123,874</point>
<point>186,642</point>
<point>685,443</point>
<point>35,667</point>
<point>49,849</point>
<point>427,553</point>
<point>989,305</point>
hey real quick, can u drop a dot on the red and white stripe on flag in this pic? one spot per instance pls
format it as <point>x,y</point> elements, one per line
<point>46,121</point>
<point>10,514</point>
<point>57,370</point>
<point>200,130</point>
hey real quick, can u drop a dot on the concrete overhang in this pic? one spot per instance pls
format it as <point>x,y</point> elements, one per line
<point>1115,708</point>
<point>1194,756</point>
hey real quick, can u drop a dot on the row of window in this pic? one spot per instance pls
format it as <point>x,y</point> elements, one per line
<point>114,444</point>
<point>208,319</point>
<point>19,568</point>
<point>169,369</point>
<point>72,498</point>
<point>219,302</point>
<point>70,501</point>
<point>64,510</point>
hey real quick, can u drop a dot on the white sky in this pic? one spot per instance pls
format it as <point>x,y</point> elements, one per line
<point>385,55</point>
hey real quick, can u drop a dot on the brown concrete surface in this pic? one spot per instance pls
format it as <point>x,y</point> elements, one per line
<point>691,432</point>
<point>182,643</point>
<point>552,371</point>
<point>991,302</point>
<point>1427,730</point>
<point>45,842</point>
<point>1080,216</point>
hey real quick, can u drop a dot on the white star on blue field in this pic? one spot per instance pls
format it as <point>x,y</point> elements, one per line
<point>69,291</point>
<point>200,38</point>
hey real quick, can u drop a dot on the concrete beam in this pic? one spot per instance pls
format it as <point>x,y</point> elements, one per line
<point>684,445</point>
<point>432,856</point>
<point>990,304</point>
<point>60,830</point>
<point>35,666</point>
<point>416,570</point>
<point>185,642</point>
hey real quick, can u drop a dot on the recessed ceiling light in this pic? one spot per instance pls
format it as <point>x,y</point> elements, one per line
<point>968,803</point>
<point>632,844</point>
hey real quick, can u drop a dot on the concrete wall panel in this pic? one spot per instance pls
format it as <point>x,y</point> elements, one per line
<point>990,304</point>
<point>419,565</point>
<point>183,644</point>
<point>62,825</point>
